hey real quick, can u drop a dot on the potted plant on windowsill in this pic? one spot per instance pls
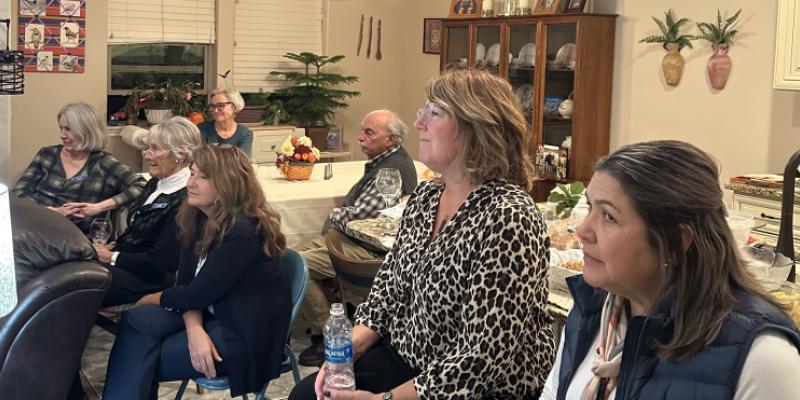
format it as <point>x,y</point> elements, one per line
<point>673,41</point>
<point>312,97</point>
<point>161,101</point>
<point>255,105</point>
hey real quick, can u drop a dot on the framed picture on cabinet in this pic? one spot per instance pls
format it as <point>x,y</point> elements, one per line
<point>432,36</point>
<point>574,6</point>
<point>465,8</point>
<point>546,7</point>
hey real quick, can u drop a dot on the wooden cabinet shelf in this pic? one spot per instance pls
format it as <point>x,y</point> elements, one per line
<point>575,53</point>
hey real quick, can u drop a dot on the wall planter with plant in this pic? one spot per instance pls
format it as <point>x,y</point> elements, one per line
<point>720,35</point>
<point>313,96</point>
<point>673,42</point>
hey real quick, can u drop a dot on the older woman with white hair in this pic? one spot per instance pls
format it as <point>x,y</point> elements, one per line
<point>77,178</point>
<point>223,105</point>
<point>144,258</point>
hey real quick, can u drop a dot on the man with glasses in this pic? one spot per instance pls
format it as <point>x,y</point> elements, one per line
<point>381,136</point>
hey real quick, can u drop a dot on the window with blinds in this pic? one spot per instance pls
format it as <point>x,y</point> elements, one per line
<point>264,30</point>
<point>161,21</point>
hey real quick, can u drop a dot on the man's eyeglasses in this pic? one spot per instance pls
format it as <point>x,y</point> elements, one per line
<point>218,106</point>
<point>431,112</point>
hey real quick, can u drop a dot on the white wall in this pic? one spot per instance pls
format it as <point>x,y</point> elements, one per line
<point>748,126</point>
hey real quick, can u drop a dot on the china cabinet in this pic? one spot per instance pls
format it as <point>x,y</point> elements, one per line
<point>787,44</point>
<point>560,67</point>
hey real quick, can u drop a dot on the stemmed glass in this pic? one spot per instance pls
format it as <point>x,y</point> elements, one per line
<point>389,184</point>
<point>100,231</point>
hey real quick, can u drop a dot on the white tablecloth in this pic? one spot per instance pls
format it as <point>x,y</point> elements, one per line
<point>305,205</point>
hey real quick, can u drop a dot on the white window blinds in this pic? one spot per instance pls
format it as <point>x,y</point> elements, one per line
<point>161,21</point>
<point>264,30</point>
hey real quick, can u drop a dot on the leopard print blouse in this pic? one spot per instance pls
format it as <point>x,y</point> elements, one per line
<point>468,309</point>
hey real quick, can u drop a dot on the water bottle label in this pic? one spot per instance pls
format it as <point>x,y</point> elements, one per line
<point>339,354</point>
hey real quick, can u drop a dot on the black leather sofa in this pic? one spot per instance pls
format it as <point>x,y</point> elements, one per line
<point>60,289</point>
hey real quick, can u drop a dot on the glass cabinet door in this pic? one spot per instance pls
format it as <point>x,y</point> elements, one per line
<point>487,48</point>
<point>457,49</point>
<point>522,46</point>
<point>559,83</point>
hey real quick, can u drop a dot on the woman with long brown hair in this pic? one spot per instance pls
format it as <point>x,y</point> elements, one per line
<point>229,310</point>
<point>665,308</point>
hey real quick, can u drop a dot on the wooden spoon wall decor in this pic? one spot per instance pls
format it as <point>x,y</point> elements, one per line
<point>378,54</point>
<point>360,36</point>
<point>369,38</point>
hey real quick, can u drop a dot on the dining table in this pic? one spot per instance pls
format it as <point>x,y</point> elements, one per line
<point>304,206</point>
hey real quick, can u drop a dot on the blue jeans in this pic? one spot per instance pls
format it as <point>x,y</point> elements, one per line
<point>152,347</point>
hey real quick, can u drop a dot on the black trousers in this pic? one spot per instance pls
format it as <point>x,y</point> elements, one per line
<point>128,288</point>
<point>380,369</point>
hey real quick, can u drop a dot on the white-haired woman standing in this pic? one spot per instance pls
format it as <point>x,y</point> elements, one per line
<point>225,103</point>
<point>145,257</point>
<point>77,178</point>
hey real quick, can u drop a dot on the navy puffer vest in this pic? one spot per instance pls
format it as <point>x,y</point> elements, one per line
<point>711,374</point>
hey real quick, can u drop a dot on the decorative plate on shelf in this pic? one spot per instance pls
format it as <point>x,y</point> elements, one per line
<point>493,55</point>
<point>480,52</point>
<point>527,54</point>
<point>525,95</point>
<point>566,55</point>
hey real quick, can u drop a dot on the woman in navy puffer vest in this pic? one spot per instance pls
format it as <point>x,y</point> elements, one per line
<point>666,308</point>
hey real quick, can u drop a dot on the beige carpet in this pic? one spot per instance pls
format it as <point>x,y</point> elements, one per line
<point>95,359</point>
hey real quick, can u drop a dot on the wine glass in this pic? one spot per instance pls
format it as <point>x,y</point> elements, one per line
<point>100,231</point>
<point>389,183</point>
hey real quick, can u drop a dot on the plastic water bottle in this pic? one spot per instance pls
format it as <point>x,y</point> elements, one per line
<point>338,333</point>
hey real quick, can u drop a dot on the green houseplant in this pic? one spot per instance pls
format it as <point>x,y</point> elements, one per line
<point>566,197</point>
<point>720,36</point>
<point>312,97</point>
<point>161,101</point>
<point>673,41</point>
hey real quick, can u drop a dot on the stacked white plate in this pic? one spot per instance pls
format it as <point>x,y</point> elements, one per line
<point>480,53</point>
<point>527,54</point>
<point>493,55</point>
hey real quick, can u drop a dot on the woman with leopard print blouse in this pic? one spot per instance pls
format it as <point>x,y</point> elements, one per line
<point>457,310</point>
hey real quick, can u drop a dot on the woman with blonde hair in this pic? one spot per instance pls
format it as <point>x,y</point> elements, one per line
<point>665,308</point>
<point>145,256</point>
<point>77,178</point>
<point>224,104</point>
<point>458,309</point>
<point>229,310</point>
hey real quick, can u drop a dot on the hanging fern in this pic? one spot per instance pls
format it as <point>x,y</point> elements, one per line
<point>670,32</point>
<point>721,32</point>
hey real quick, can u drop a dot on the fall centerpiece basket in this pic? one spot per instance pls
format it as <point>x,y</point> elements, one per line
<point>296,158</point>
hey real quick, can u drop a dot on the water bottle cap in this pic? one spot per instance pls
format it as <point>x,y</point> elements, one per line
<point>337,309</point>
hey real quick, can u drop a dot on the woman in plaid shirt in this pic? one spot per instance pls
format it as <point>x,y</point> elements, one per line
<point>76,178</point>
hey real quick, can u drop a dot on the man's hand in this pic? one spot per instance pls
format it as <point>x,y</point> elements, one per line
<point>83,210</point>
<point>202,352</point>
<point>104,252</point>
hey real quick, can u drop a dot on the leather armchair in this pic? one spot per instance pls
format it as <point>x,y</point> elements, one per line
<point>42,339</point>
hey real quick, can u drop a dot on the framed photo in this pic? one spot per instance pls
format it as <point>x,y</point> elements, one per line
<point>432,36</point>
<point>574,6</point>
<point>465,8</point>
<point>546,7</point>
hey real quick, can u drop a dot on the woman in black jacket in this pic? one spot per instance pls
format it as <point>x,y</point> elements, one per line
<point>145,257</point>
<point>229,311</point>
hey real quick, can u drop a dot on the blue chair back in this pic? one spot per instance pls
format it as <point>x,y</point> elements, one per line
<point>295,270</point>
